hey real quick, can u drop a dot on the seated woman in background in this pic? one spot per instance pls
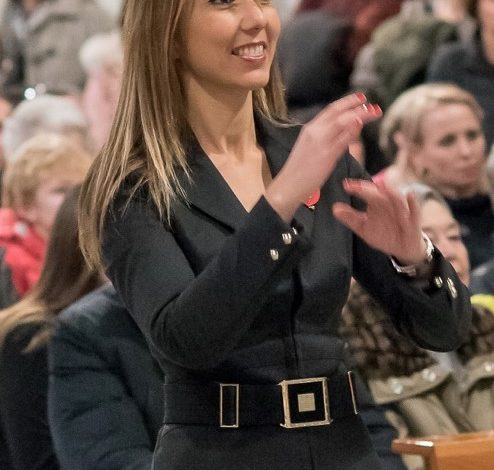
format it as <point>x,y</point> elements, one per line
<point>25,329</point>
<point>34,185</point>
<point>433,134</point>
<point>426,393</point>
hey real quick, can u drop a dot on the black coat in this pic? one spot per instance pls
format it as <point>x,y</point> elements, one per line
<point>217,304</point>
<point>23,388</point>
<point>105,394</point>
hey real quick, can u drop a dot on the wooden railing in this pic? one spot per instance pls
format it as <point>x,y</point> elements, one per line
<point>467,451</point>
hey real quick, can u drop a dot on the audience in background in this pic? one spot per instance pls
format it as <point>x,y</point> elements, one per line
<point>435,133</point>
<point>101,57</point>
<point>470,64</point>
<point>427,393</point>
<point>113,423</point>
<point>364,16</point>
<point>311,53</point>
<point>41,40</point>
<point>398,54</point>
<point>5,109</point>
<point>25,329</point>
<point>35,183</point>
<point>44,114</point>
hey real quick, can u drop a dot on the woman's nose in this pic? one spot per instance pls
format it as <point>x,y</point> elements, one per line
<point>465,146</point>
<point>253,15</point>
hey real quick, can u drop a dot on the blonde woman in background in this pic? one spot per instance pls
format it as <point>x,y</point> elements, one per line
<point>434,133</point>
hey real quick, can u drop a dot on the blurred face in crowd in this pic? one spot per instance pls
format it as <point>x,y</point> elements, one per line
<point>47,200</point>
<point>451,155</point>
<point>438,223</point>
<point>228,44</point>
<point>5,109</point>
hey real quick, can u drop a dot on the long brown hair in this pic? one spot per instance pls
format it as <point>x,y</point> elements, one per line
<point>150,125</point>
<point>65,278</point>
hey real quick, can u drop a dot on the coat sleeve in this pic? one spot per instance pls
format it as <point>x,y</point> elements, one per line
<point>23,387</point>
<point>435,317</point>
<point>94,421</point>
<point>194,321</point>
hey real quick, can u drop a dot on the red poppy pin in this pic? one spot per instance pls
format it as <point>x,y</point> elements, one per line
<point>313,199</point>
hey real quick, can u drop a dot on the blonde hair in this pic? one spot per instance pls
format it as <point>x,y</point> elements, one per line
<point>39,158</point>
<point>407,112</point>
<point>150,126</point>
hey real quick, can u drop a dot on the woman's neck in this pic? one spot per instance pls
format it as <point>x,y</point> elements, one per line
<point>222,124</point>
<point>399,172</point>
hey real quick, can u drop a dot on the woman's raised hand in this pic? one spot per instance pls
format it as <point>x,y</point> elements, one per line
<point>320,145</point>
<point>390,223</point>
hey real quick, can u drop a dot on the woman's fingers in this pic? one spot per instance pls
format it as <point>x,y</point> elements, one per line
<point>347,215</point>
<point>352,106</point>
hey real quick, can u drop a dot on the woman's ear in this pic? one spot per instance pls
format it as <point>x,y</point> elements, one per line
<point>401,141</point>
<point>412,153</point>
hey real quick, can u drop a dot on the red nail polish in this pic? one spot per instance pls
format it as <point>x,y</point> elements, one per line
<point>376,109</point>
<point>361,97</point>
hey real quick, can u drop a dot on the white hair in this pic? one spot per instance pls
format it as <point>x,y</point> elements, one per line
<point>100,50</point>
<point>45,113</point>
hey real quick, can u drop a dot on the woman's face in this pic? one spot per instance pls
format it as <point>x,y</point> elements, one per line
<point>228,44</point>
<point>451,157</point>
<point>438,223</point>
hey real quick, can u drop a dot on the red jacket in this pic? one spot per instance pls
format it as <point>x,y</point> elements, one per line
<point>24,251</point>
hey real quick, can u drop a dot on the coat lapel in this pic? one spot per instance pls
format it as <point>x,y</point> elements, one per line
<point>208,192</point>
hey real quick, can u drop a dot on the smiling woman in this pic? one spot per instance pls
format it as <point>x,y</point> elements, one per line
<point>195,207</point>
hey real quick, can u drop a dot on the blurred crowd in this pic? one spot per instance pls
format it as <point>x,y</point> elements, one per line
<point>78,387</point>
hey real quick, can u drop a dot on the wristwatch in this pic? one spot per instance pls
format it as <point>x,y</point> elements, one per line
<point>411,269</point>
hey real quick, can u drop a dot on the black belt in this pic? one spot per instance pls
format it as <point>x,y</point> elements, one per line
<point>291,403</point>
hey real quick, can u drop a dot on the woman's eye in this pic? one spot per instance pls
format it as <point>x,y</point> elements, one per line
<point>473,134</point>
<point>454,236</point>
<point>447,140</point>
<point>221,2</point>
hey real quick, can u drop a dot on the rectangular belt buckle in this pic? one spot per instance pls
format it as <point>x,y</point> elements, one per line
<point>305,402</point>
<point>227,400</point>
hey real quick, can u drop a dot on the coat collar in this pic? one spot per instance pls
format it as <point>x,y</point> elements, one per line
<point>208,192</point>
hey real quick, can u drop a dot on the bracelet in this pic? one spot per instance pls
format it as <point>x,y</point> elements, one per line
<point>411,269</point>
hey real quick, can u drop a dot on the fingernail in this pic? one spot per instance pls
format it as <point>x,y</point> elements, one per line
<point>376,109</point>
<point>361,97</point>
